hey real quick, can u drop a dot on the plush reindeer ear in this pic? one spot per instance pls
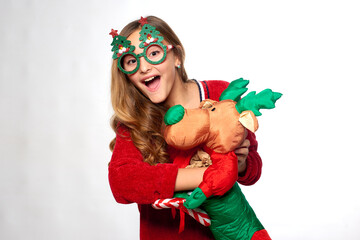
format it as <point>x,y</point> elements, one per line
<point>249,121</point>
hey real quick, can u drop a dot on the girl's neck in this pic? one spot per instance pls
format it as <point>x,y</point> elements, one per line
<point>185,94</point>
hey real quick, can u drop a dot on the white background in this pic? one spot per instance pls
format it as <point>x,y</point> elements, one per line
<point>55,109</point>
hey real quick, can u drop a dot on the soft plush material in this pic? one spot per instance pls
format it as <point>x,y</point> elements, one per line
<point>219,127</point>
<point>229,220</point>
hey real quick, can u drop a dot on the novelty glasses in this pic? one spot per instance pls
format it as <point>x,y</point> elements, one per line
<point>154,53</point>
<point>151,41</point>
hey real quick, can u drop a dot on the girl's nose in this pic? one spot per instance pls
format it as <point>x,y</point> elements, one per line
<point>144,65</point>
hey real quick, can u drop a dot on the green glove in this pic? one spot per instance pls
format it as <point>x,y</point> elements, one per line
<point>196,198</point>
<point>181,195</point>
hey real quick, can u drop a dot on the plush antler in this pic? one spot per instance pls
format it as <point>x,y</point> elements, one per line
<point>235,89</point>
<point>254,102</point>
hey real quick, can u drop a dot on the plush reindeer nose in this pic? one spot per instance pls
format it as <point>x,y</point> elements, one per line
<point>174,115</point>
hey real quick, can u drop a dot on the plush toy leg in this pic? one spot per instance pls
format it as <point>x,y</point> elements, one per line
<point>232,217</point>
<point>196,198</point>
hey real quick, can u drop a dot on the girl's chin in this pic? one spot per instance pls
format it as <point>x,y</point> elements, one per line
<point>156,98</point>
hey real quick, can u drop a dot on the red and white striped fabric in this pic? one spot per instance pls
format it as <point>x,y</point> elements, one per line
<point>178,203</point>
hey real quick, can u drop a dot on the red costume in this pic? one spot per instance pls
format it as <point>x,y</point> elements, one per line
<point>134,181</point>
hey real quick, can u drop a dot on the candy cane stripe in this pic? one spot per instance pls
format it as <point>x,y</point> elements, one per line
<point>198,214</point>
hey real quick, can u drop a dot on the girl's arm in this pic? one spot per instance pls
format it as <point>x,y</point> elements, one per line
<point>133,180</point>
<point>242,153</point>
<point>188,178</point>
<point>253,163</point>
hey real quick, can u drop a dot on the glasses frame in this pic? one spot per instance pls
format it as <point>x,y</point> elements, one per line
<point>143,54</point>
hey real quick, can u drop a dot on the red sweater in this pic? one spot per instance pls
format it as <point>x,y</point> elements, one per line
<point>134,181</point>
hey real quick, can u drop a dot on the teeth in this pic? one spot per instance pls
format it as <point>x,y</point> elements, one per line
<point>149,79</point>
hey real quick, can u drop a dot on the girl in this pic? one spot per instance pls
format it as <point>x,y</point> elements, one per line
<point>148,77</point>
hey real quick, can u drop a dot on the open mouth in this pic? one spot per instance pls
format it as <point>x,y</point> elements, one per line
<point>152,83</point>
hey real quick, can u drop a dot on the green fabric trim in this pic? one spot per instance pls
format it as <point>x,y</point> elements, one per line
<point>235,90</point>
<point>254,102</point>
<point>174,115</point>
<point>231,216</point>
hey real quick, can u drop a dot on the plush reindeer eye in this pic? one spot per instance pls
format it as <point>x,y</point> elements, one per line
<point>213,109</point>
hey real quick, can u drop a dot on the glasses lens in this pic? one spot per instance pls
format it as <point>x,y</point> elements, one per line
<point>128,62</point>
<point>155,53</point>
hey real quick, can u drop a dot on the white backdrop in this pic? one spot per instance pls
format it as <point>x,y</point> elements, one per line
<point>55,109</point>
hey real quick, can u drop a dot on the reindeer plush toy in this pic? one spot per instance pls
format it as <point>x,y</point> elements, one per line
<point>218,128</point>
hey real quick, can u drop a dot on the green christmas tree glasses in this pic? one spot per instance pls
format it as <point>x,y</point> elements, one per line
<point>151,41</point>
<point>154,53</point>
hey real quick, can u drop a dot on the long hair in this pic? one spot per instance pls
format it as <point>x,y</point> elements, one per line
<point>133,110</point>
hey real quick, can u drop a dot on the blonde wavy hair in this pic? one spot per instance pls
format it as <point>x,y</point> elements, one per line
<point>136,112</point>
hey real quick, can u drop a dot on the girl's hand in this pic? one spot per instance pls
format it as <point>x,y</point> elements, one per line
<point>242,152</point>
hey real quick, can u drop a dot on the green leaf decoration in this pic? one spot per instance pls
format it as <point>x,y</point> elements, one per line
<point>235,90</point>
<point>146,31</point>
<point>174,115</point>
<point>254,102</point>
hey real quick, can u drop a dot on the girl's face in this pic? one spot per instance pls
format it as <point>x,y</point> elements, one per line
<point>155,81</point>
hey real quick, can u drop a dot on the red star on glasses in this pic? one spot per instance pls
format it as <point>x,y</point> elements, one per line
<point>113,33</point>
<point>143,21</point>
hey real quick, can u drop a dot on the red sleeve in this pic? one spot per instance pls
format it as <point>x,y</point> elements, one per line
<point>214,88</point>
<point>133,180</point>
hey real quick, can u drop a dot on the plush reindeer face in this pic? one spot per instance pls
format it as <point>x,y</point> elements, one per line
<point>215,124</point>
<point>218,125</point>
<point>226,131</point>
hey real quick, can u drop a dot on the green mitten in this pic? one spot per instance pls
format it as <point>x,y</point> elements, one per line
<point>181,195</point>
<point>196,198</point>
